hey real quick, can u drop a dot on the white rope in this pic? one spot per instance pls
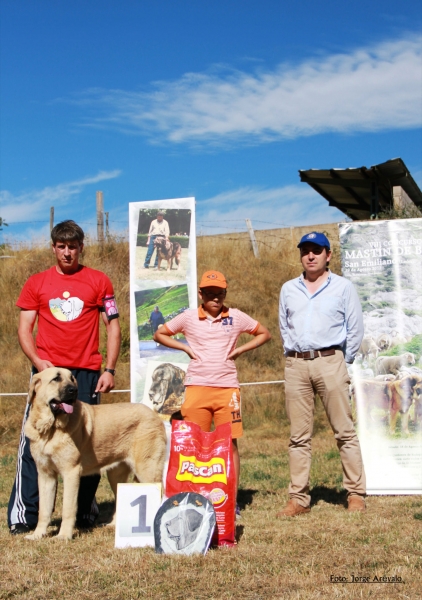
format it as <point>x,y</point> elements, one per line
<point>126,391</point>
<point>262,382</point>
<point>26,393</point>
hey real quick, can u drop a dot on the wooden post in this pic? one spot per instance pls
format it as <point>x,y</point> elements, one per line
<point>107,229</point>
<point>51,218</point>
<point>253,238</point>
<point>100,218</point>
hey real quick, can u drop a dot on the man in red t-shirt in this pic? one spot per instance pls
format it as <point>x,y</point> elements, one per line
<point>67,300</point>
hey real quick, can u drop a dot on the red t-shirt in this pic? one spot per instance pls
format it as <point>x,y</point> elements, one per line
<point>68,308</point>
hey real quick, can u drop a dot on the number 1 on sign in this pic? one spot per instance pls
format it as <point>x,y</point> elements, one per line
<point>137,505</point>
<point>142,527</point>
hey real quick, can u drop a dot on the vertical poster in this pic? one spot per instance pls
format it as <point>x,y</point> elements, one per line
<point>383,259</point>
<point>162,284</point>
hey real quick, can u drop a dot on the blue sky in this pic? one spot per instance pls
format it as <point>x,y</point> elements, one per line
<point>223,100</point>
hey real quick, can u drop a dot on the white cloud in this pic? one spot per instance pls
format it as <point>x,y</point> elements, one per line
<point>288,206</point>
<point>30,205</point>
<point>369,89</point>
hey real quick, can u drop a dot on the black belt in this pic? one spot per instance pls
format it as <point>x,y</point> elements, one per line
<point>311,354</point>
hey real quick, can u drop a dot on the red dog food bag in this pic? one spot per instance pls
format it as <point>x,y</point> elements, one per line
<point>202,462</point>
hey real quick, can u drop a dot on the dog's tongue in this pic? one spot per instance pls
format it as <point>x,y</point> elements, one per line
<point>68,408</point>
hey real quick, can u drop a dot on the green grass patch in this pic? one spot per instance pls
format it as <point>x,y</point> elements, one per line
<point>7,460</point>
<point>414,346</point>
<point>334,453</point>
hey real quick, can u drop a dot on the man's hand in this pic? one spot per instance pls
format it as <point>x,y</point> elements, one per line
<point>163,337</point>
<point>147,244</point>
<point>41,364</point>
<point>234,354</point>
<point>261,336</point>
<point>105,383</point>
<point>190,352</point>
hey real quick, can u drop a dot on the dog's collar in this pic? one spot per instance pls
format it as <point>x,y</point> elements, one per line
<point>203,315</point>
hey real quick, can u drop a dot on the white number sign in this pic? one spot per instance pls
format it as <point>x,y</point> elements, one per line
<point>137,505</point>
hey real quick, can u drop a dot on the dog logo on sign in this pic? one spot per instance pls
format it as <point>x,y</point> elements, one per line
<point>183,529</point>
<point>184,524</point>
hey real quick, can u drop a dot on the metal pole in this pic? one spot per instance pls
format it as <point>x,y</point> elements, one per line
<point>100,218</point>
<point>253,238</point>
<point>107,229</point>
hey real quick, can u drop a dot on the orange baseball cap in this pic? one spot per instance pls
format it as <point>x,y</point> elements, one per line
<point>213,279</point>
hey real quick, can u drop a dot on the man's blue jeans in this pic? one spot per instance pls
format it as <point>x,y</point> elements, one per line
<point>150,252</point>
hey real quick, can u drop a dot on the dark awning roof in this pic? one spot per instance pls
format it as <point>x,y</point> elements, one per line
<point>358,192</point>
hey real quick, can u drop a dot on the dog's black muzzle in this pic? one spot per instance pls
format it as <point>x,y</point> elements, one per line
<point>68,396</point>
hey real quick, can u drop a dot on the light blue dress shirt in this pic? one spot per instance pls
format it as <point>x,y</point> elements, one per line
<point>332,316</point>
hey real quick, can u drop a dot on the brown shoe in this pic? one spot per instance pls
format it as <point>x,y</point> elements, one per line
<point>293,509</point>
<point>356,504</point>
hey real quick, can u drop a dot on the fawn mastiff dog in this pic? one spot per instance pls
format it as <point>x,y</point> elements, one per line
<point>71,439</point>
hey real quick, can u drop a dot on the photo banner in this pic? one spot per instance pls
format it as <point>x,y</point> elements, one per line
<point>162,244</point>
<point>383,259</point>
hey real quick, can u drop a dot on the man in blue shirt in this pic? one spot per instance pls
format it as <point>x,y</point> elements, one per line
<point>321,327</point>
<point>156,318</point>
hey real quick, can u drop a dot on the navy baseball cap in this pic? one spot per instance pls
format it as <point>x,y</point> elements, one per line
<point>315,238</point>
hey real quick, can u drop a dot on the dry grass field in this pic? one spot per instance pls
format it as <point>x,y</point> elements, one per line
<point>275,558</point>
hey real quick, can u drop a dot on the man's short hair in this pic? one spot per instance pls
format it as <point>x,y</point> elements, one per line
<point>160,213</point>
<point>67,231</point>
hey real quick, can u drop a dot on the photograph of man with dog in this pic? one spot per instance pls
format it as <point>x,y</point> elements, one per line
<point>160,292</point>
<point>163,243</point>
<point>66,339</point>
<point>154,307</point>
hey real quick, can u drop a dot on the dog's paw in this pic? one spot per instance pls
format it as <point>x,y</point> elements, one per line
<point>63,537</point>
<point>35,536</point>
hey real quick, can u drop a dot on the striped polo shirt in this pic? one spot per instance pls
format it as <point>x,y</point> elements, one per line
<point>212,340</point>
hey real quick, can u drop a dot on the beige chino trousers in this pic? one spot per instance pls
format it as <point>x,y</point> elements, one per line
<point>326,376</point>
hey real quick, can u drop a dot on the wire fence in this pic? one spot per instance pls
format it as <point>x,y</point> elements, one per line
<point>268,233</point>
<point>127,391</point>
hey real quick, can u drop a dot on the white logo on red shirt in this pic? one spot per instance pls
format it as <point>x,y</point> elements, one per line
<point>67,308</point>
